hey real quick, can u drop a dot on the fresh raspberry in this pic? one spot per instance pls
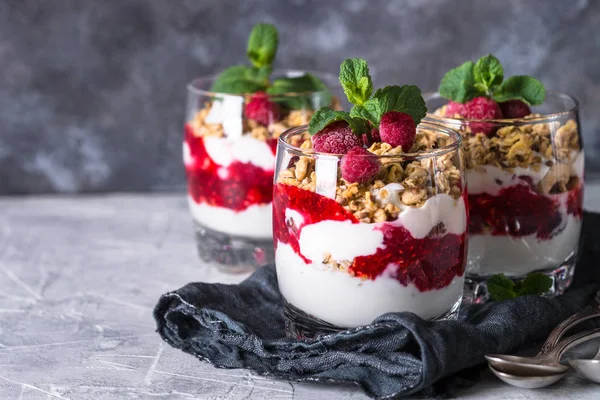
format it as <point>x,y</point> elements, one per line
<point>359,165</point>
<point>453,108</point>
<point>514,109</point>
<point>398,129</point>
<point>260,109</point>
<point>336,138</point>
<point>481,108</point>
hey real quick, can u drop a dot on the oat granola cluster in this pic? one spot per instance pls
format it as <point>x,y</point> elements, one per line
<point>527,146</point>
<point>370,201</point>
<point>250,127</point>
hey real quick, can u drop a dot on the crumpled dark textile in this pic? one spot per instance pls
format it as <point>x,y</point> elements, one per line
<point>242,326</point>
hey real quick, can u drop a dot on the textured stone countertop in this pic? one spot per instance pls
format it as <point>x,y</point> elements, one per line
<point>79,277</point>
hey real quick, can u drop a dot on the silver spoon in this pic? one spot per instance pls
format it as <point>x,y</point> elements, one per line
<point>532,376</point>
<point>528,382</point>
<point>503,361</point>
<point>589,369</point>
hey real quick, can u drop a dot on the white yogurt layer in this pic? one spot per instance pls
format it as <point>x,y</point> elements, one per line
<point>419,221</point>
<point>246,149</point>
<point>343,300</point>
<point>255,222</point>
<point>228,111</point>
<point>491,179</point>
<point>518,256</point>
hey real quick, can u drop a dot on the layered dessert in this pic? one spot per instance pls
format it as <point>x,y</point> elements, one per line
<point>370,214</point>
<point>230,168</point>
<point>230,143</point>
<point>524,173</point>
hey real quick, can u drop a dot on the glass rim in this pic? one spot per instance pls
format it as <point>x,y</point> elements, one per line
<point>454,146</point>
<point>506,122</point>
<point>192,86</point>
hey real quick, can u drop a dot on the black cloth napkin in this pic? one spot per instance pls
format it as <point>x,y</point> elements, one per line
<point>242,326</point>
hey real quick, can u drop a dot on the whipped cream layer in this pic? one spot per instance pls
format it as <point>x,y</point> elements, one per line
<point>520,255</point>
<point>246,149</point>
<point>491,179</point>
<point>345,300</point>
<point>254,222</point>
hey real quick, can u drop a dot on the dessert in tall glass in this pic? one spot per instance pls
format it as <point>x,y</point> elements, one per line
<point>525,170</point>
<point>233,122</point>
<point>369,211</point>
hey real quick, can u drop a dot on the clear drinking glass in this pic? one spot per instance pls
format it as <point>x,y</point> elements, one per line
<point>229,161</point>
<point>347,253</point>
<point>525,184</point>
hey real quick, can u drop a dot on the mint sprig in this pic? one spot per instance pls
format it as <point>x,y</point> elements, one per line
<point>406,98</point>
<point>262,48</point>
<point>459,84</point>
<point>368,107</point>
<point>356,81</point>
<point>241,79</point>
<point>301,84</point>
<point>325,116</point>
<point>521,87</point>
<point>262,45</point>
<point>486,78</point>
<point>502,288</point>
<point>488,73</point>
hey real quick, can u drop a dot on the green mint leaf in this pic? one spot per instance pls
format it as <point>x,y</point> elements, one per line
<point>262,73</point>
<point>535,283</point>
<point>300,84</point>
<point>406,99</point>
<point>356,81</point>
<point>309,92</point>
<point>371,111</point>
<point>459,84</point>
<point>521,87</point>
<point>501,288</point>
<point>488,73</point>
<point>325,116</point>
<point>262,45</point>
<point>240,79</point>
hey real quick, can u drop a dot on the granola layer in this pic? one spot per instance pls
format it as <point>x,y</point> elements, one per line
<point>289,119</point>
<point>373,202</point>
<point>527,145</point>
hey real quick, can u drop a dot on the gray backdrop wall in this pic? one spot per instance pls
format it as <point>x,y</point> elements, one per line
<point>92,92</point>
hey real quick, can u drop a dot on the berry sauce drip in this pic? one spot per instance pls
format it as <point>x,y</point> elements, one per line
<point>428,263</point>
<point>237,186</point>
<point>575,201</point>
<point>519,211</point>
<point>313,208</point>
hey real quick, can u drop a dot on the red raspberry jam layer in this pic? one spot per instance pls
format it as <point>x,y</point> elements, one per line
<point>237,186</point>
<point>428,263</point>
<point>575,202</point>
<point>519,211</point>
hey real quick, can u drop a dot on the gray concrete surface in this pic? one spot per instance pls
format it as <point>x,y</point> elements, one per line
<point>79,277</point>
<point>92,92</point>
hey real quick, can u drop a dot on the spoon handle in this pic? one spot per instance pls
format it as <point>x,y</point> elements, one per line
<point>571,341</point>
<point>592,311</point>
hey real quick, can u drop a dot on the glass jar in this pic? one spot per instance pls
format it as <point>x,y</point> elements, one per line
<point>347,253</point>
<point>525,184</point>
<point>229,160</point>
